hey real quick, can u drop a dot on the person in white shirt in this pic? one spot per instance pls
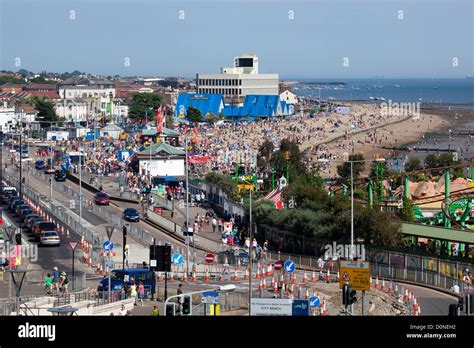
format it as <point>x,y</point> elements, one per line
<point>320,263</point>
<point>214,224</point>
<point>122,311</point>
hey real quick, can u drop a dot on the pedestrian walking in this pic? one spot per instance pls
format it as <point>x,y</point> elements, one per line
<point>214,224</point>
<point>133,292</point>
<point>48,284</point>
<point>55,280</point>
<point>141,293</point>
<point>63,283</point>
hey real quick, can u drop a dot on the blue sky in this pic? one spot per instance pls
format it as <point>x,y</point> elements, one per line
<point>313,44</point>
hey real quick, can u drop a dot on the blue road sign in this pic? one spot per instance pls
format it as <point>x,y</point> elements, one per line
<point>177,259</point>
<point>289,266</point>
<point>110,264</point>
<point>108,246</point>
<point>314,301</point>
<point>300,308</point>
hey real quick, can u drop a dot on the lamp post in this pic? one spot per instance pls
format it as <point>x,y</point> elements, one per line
<point>351,254</point>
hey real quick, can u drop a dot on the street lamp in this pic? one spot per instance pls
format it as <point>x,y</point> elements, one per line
<point>324,160</point>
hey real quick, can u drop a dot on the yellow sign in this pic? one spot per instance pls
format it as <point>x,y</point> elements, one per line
<point>356,273</point>
<point>245,187</point>
<point>181,116</point>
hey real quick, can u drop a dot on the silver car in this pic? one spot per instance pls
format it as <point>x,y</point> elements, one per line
<point>50,238</point>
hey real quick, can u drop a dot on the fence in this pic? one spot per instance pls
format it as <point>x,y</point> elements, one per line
<point>425,270</point>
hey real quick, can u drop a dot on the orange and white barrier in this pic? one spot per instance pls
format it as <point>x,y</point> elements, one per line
<point>313,277</point>
<point>305,277</point>
<point>258,272</point>
<point>275,288</point>
<point>236,277</point>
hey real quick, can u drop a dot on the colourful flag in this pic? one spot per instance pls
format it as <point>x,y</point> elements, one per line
<point>159,120</point>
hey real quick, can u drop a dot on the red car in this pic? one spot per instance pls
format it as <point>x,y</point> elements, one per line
<point>101,198</point>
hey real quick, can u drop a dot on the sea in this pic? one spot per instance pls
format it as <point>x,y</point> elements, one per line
<point>443,91</point>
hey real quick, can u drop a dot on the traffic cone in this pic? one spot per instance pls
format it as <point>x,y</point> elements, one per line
<point>292,289</point>
<point>90,262</point>
<point>206,275</point>
<point>269,270</point>
<point>185,276</point>
<point>246,276</point>
<point>418,312</point>
<point>275,288</point>
<point>258,272</point>
<point>383,284</point>
<point>306,296</point>
<point>171,277</point>
<point>101,271</point>
<point>406,295</point>
<point>194,278</point>
<point>283,287</point>
<point>313,277</point>
<point>272,284</point>
<point>264,284</point>
<point>97,269</point>
<point>377,282</point>
<point>236,277</point>
<point>390,287</point>
<point>67,233</point>
<point>293,280</point>
<point>62,230</point>
<point>415,307</point>
<point>282,280</point>
<point>328,277</point>
<point>305,277</point>
<point>260,284</point>
<point>337,276</point>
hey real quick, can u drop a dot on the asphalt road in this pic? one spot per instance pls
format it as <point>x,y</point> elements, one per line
<point>433,302</point>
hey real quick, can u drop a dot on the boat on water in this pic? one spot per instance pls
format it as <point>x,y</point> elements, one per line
<point>398,86</point>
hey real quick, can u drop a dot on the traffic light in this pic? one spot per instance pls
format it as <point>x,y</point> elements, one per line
<point>352,296</point>
<point>18,238</point>
<point>187,305</point>
<point>170,309</point>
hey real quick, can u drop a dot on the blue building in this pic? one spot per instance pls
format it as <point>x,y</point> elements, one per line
<point>253,106</point>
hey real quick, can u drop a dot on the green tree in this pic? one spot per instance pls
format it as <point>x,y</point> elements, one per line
<point>41,79</point>
<point>45,109</point>
<point>10,79</point>
<point>407,213</point>
<point>344,170</point>
<point>142,104</point>
<point>193,115</point>
<point>413,164</point>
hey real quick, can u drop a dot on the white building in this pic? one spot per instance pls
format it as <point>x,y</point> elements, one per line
<point>7,117</point>
<point>238,81</point>
<point>289,98</point>
<point>83,92</point>
<point>75,110</point>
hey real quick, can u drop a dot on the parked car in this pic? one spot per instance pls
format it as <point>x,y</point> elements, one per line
<point>60,175</point>
<point>22,207</point>
<point>30,224</point>
<point>40,227</point>
<point>50,238</point>
<point>39,164</point>
<point>25,218</point>
<point>15,204</point>
<point>131,215</point>
<point>101,198</point>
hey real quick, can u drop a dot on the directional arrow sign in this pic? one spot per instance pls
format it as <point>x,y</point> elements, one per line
<point>314,301</point>
<point>289,266</point>
<point>108,246</point>
<point>177,259</point>
<point>72,245</point>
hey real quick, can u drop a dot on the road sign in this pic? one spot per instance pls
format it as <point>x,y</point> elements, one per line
<point>72,245</point>
<point>110,230</point>
<point>271,306</point>
<point>226,274</point>
<point>108,246</point>
<point>278,265</point>
<point>210,297</point>
<point>300,308</point>
<point>356,273</point>
<point>210,258</point>
<point>314,301</point>
<point>289,266</point>
<point>177,259</point>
